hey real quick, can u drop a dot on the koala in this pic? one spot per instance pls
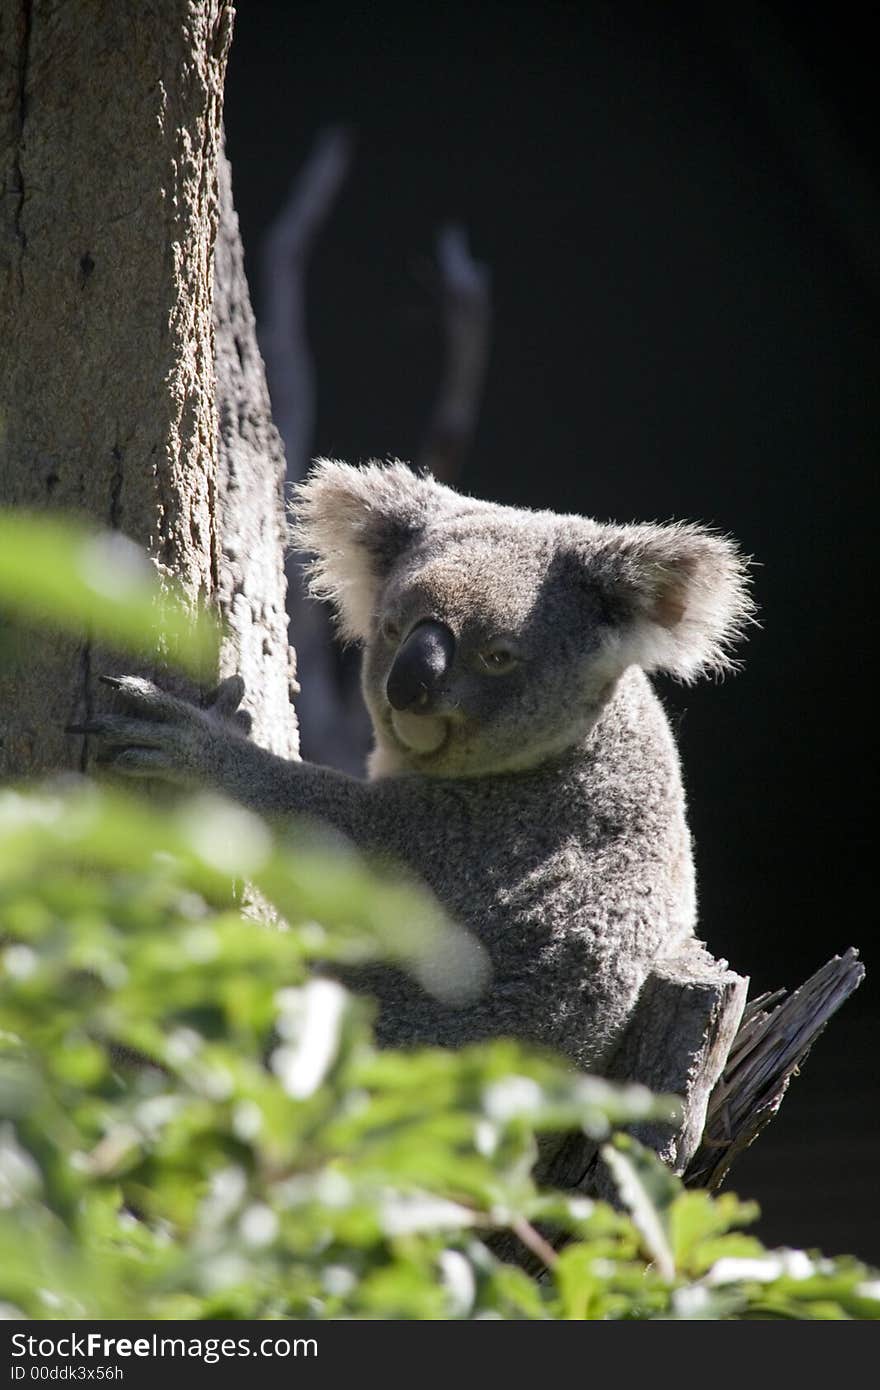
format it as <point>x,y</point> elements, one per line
<point>523,766</point>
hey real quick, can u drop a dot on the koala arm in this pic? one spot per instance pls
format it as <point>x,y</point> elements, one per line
<point>160,736</point>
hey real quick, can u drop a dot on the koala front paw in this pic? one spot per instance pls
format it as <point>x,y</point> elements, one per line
<point>162,736</point>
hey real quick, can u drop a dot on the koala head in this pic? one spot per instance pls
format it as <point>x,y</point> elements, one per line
<point>494,636</point>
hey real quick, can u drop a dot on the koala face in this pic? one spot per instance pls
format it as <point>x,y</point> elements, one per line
<point>494,636</point>
<point>474,666</point>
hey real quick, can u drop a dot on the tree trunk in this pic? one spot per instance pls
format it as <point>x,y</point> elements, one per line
<point>110,132</point>
<point>693,1035</point>
<point>251,582</point>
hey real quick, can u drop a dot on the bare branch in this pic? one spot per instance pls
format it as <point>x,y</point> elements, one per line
<point>286,250</point>
<point>774,1037</point>
<point>333,727</point>
<point>691,1035</point>
<point>534,1241</point>
<point>467,319</point>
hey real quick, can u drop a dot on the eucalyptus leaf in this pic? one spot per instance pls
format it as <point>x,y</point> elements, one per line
<point>59,572</point>
<point>196,1123</point>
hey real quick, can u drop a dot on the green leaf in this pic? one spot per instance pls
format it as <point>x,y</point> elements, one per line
<point>194,1126</point>
<point>57,571</point>
<point>647,1189</point>
<point>695,1223</point>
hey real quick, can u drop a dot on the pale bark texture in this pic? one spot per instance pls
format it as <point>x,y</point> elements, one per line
<point>693,1035</point>
<point>110,132</point>
<point>251,583</point>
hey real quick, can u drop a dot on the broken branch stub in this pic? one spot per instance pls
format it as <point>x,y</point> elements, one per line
<point>692,1034</point>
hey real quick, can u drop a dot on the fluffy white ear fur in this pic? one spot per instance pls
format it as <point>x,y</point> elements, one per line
<point>681,590</point>
<point>687,593</point>
<point>356,522</point>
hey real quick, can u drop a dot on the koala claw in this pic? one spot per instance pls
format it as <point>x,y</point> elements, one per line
<point>144,699</point>
<point>142,762</point>
<point>227,697</point>
<point>243,720</point>
<point>148,701</point>
<point>159,735</point>
<point>116,729</point>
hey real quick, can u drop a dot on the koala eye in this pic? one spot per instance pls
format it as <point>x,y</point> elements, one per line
<point>497,659</point>
<point>389,630</point>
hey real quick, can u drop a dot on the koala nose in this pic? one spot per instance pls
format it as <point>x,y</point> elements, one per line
<point>419,667</point>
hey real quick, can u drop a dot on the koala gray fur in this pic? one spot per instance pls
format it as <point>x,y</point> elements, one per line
<point>525,769</point>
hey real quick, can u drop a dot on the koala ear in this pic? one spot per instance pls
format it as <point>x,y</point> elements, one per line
<point>357,522</point>
<point>679,594</point>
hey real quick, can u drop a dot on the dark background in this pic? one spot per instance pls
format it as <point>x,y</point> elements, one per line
<point>681,213</point>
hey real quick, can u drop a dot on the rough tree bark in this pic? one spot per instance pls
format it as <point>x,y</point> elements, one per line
<point>692,1034</point>
<point>251,583</point>
<point>110,133</point>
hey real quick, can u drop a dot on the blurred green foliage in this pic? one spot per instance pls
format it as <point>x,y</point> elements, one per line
<point>194,1121</point>
<point>65,574</point>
